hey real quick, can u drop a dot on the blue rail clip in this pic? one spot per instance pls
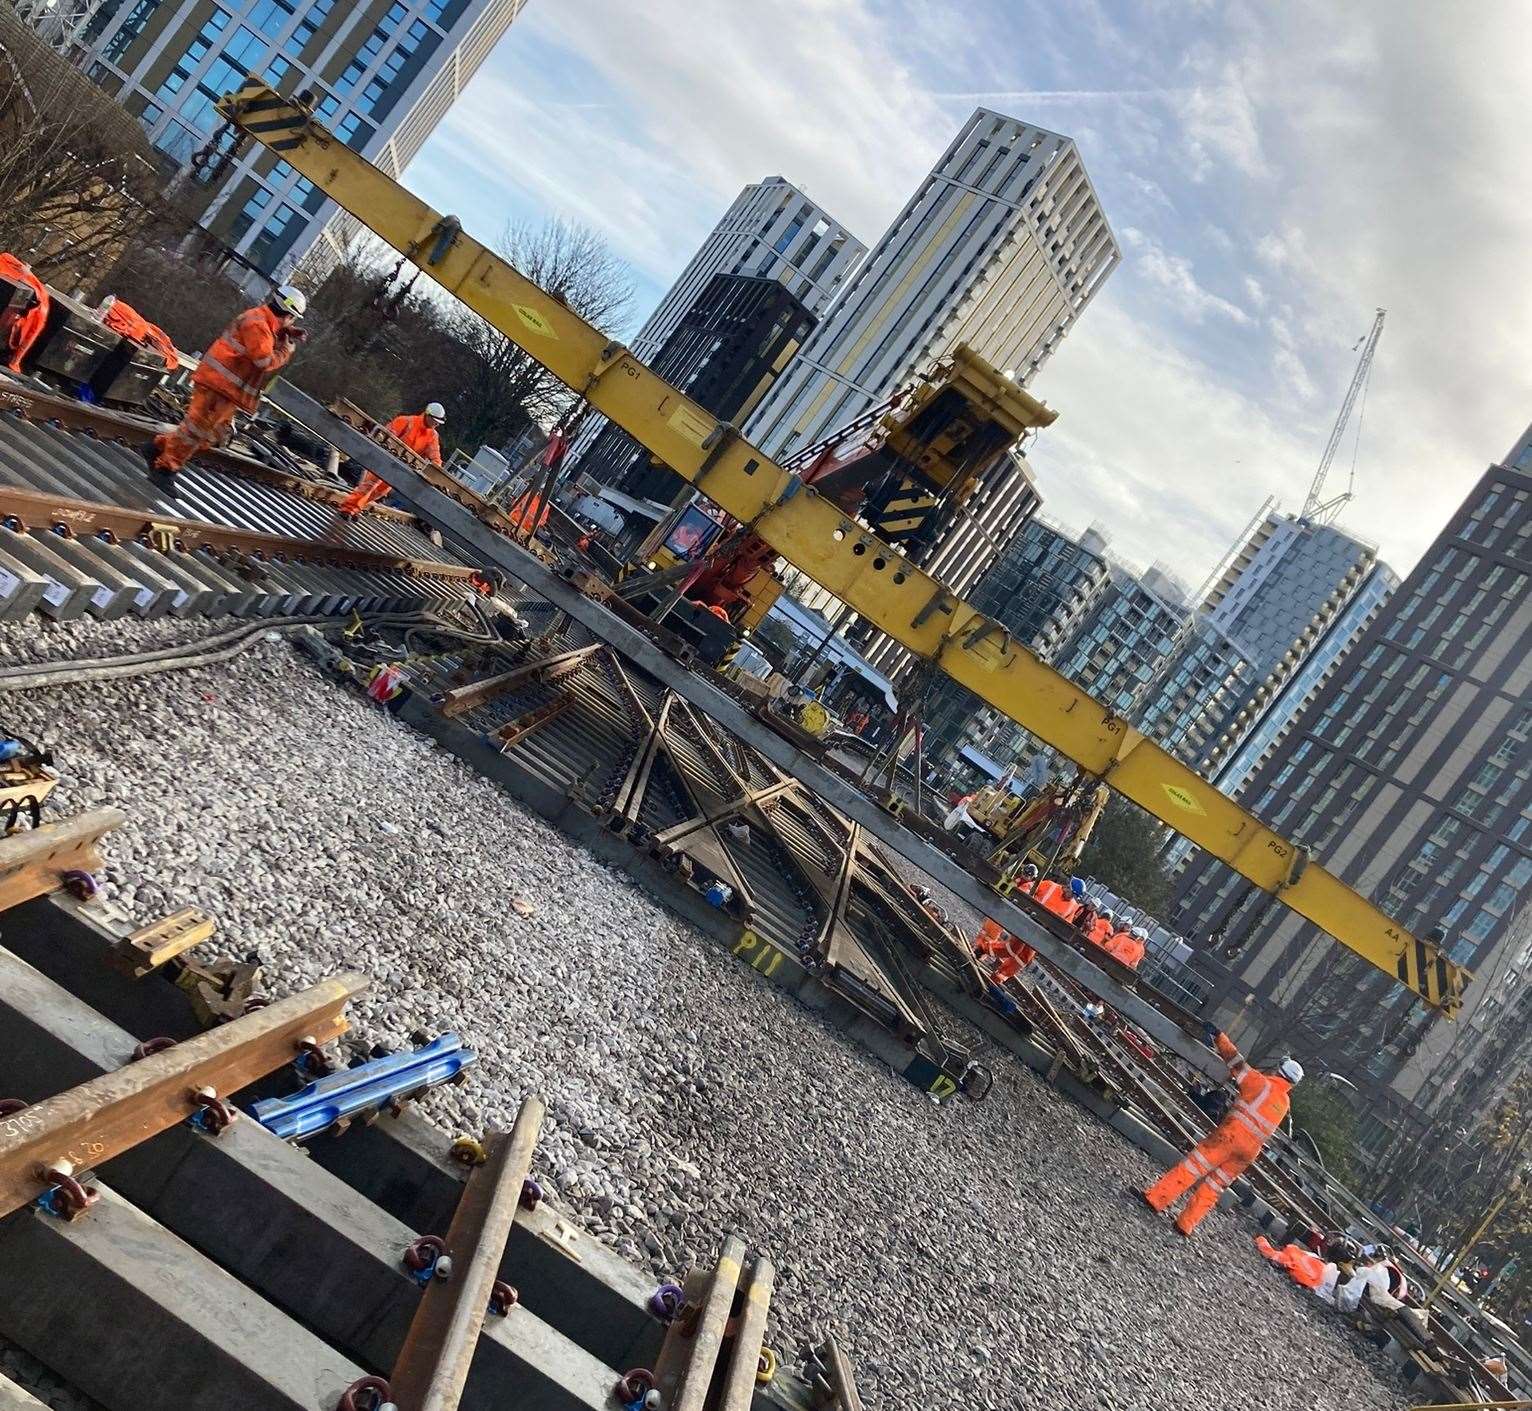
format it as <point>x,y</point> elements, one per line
<point>366,1089</point>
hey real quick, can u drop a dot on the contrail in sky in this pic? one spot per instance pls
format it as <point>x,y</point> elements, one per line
<point>1069,95</point>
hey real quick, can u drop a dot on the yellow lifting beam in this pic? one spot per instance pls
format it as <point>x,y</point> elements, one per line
<point>875,580</point>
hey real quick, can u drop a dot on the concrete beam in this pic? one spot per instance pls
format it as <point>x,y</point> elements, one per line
<point>131,1316</point>
<point>288,1229</point>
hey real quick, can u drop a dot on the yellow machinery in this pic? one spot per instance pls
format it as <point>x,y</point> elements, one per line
<point>816,535</point>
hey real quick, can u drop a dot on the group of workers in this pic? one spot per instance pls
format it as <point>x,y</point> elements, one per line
<point>261,341</point>
<point>1096,923</point>
<point>1262,1098</point>
<point>237,369</point>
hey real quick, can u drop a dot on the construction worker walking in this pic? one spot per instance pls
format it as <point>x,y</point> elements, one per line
<point>419,434</point>
<point>229,379</point>
<point>1212,1165</point>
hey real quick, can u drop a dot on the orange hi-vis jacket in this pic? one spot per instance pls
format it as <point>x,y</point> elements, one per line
<point>1263,1097</point>
<point>1303,1266</point>
<point>419,437</point>
<point>1047,893</point>
<point>1100,931</point>
<point>244,357</point>
<point>1126,948</point>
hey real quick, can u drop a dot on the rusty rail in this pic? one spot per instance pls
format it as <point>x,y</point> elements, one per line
<point>36,861</point>
<point>432,1367</point>
<point>33,509</point>
<point>87,1126</point>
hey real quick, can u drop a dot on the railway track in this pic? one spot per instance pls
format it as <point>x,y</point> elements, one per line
<point>619,761</point>
<point>84,530</point>
<point>160,1247</point>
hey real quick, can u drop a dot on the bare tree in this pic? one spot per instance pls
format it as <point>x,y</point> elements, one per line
<point>498,388</point>
<point>77,183</point>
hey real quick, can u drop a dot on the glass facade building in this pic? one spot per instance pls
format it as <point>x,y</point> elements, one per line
<point>381,75</point>
<point>1410,775</point>
<point>771,231</point>
<point>1038,590</point>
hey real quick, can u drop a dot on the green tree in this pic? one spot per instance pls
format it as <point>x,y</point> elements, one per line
<point>1121,856</point>
<point>1327,1117</point>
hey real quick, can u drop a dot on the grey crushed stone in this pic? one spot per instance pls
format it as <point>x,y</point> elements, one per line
<point>971,1257</point>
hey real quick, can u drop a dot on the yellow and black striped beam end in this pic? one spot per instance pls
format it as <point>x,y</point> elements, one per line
<point>1431,975</point>
<point>277,121</point>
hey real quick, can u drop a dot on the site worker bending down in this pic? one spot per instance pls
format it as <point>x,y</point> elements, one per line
<point>1211,1166</point>
<point>231,376</point>
<point>419,434</point>
<point>1011,955</point>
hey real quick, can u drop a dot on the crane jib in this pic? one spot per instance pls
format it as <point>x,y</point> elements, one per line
<point>874,579</point>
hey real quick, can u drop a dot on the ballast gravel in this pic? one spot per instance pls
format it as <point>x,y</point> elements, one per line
<point>971,1256</point>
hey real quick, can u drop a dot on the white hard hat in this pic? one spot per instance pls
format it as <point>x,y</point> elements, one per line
<point>1107,914</point>
<point>1139,934</point>
<point>289,300</point>
<point>437,410</point>
<point>1292,1070</point>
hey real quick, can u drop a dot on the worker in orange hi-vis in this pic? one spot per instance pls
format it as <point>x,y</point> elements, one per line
<point>1213,1164</point>
<point>1102,929</point>
<point>419,434</point>
<point>231,376</point>
<point>1049,893</point>
<point>1012,955</point>
<point>1304,1267</point>
<point>1128,947</point>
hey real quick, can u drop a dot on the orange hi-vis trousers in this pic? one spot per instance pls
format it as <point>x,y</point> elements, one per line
<point>1211,1166</point>
<point>1303,1266</point>
<point>369,490</point>
<point>208,420</point>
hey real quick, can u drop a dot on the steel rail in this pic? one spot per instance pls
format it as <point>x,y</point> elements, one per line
<point>89,1125</point>
<point>464,698</point>
<point>480,542</point>
<point>36,861</point>
<point>749,1339</point>
<point>432,1367</point>
<point>76,518</point>
<point>108,424</point>
<point>683,1374</point>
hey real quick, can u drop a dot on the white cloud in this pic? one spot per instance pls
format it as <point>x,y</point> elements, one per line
<point>1173,274</point>
<point>1314,161</point>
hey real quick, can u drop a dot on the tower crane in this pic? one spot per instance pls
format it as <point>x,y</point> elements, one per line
<point>1317,509</point>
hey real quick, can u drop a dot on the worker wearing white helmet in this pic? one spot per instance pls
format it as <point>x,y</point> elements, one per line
<point>1209,1168</point>
<point>419,434</point>
<point>1103,928</point>
<point>1127,946</point>
<point>233,373</point>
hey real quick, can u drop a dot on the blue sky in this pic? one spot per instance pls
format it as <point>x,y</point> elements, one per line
<point>1273,172</point>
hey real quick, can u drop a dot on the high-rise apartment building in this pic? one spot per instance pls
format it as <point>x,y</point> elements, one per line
<point>737,336</point>
<point>1123,647</point>
<point>772,231</point>
<point>1001,248</point>
<point>1410,775</point>
<point>382,74</point>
